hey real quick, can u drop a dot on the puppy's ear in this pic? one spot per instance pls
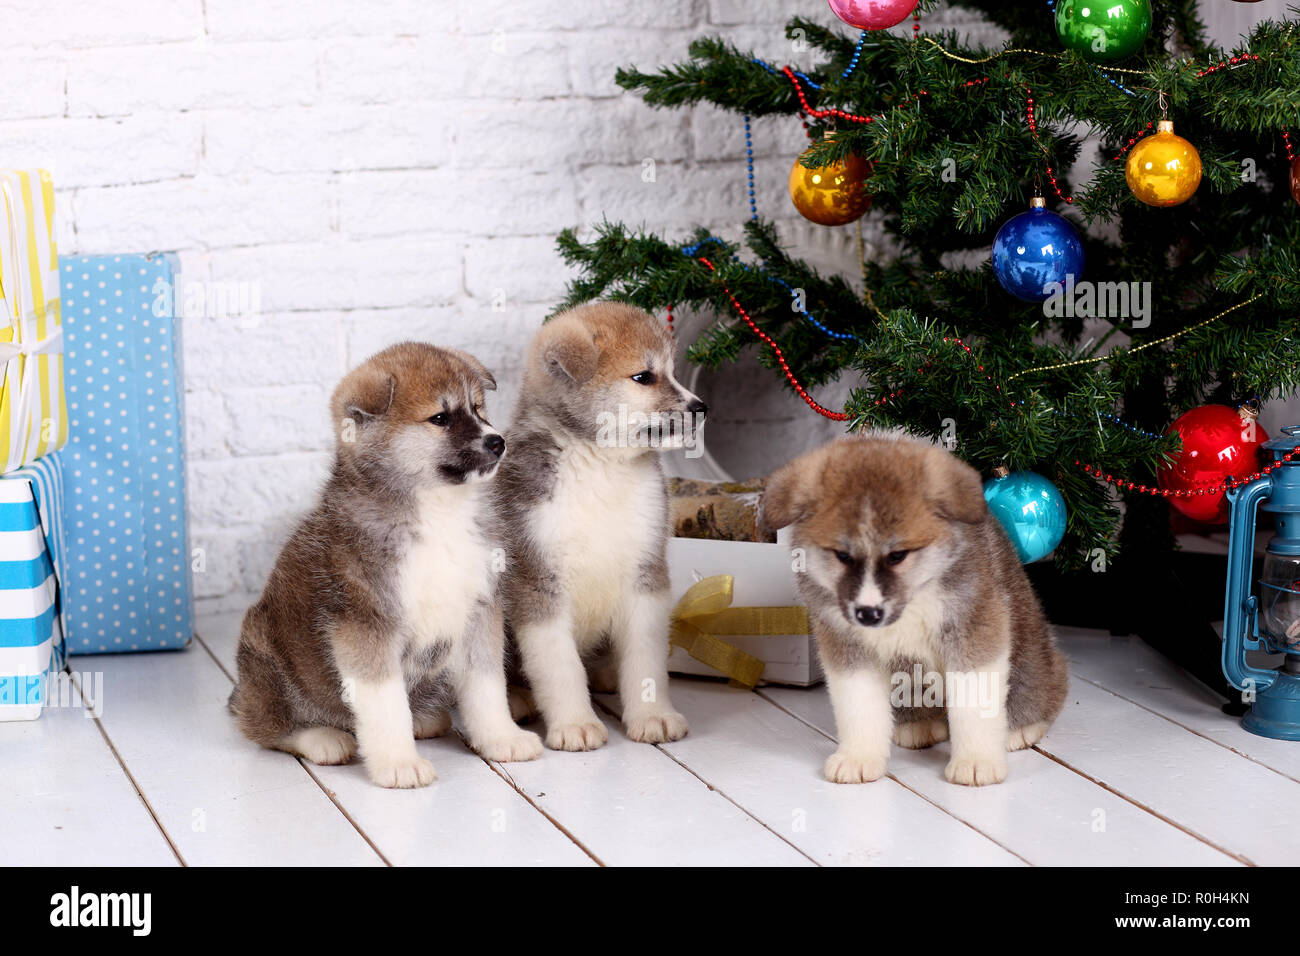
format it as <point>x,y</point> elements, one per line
<point>572,354</point>
<point>788,495</point>
<point>477,369</point>
<point>365,393</point>
<point>955,488</point>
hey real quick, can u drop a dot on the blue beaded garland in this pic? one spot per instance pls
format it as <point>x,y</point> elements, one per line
<point>1030,510</point>
<point>1034,249</point>
<point>857,54</point>
<point>749,165</point>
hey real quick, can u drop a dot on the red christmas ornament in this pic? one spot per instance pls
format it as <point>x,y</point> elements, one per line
<point>1218,441</point>
<point>1295,179</point>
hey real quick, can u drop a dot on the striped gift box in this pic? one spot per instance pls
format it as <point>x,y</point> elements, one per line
<point>33,418</point>
<point>31,548</point>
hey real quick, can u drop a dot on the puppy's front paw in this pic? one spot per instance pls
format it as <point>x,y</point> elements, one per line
<point>431,725</point>
<point>402,774</point>
<point>657,728</point>
<point>517,745</point>
<point>587,735</point>
<point>977,771</point>
<point>1023,737</point>
<point>846,767</point>
<point>322,745</point>
<point>919,734</point>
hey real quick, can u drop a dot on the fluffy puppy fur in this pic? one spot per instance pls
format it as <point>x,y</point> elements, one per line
<point>382,610</point>
<point>906,565</point>
<point>585,510</point>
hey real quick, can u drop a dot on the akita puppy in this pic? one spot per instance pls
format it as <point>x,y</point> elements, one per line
<point>585,513</point>
<point>382,609</point>
<point>906,566</point>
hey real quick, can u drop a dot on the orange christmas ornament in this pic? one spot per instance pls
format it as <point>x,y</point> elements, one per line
<point>831,195</point>
<point>1164,169</point>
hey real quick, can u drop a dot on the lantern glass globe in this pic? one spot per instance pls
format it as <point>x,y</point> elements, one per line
<point>1279,599</point>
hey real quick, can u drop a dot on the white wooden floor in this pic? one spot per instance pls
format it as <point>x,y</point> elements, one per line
<point>1141,768</point>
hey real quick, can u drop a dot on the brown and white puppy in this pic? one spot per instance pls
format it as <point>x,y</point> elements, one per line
<point>382,609</point>
<point>585,513</point>
<point>924,618</point>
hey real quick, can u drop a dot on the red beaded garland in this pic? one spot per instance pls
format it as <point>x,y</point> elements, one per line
<point>1033,128</point>
<point>830,111</point>
<point>780,356</point>
<point>1231,61</point>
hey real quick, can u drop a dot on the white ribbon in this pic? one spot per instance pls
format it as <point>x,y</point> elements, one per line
<point>52,344</point>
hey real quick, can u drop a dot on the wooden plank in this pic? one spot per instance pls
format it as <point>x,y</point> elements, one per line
<point>219,633</point>
<point>1133,670</point>
<point>470,816</point>
<point>221,800</point>
<point>632,805</point>
<point>66,800</point>
<point>1044,812</point>
<point>770,763</point>
<point>1210,791</point>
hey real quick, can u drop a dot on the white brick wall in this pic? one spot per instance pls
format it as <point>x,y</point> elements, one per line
<point>381,169</point>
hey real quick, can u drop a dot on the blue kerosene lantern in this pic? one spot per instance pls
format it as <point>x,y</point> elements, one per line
<point>1269,621</point>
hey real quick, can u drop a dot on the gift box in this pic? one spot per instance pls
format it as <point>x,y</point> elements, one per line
<point>31,564</point>
<point>736,614</point>
<point>33,420</point>
<point>129,586</point>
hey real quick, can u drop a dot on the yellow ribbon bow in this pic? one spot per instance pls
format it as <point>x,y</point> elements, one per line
<point>705,611</point>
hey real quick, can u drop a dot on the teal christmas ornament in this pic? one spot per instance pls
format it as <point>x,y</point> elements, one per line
<point>1103,32</point>
<point>1034,250</point>
<point>1030,510</point>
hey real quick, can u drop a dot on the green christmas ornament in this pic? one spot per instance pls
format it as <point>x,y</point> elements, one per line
<point>1103,31</point>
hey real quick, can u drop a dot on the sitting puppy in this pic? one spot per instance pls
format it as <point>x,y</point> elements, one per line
<point>583,503</point>
<point>905,564</point>
<point>382,608</point>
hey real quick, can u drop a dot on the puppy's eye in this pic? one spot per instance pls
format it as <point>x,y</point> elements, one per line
<point>896,557</point>
<point>441,420</point>
<point>844,557</point>
<point>645,378</point>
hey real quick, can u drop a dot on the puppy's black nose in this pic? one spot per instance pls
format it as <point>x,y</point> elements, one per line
<point>697,407</point>
<point>495,444</point>
<point>868,615</point>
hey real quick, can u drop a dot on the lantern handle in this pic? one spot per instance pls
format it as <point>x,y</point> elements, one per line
<point>1291,430</point>
<point>1240,609</point>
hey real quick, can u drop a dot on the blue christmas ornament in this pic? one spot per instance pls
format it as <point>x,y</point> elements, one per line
<point>1034,249</point>
<point>1030,510</point>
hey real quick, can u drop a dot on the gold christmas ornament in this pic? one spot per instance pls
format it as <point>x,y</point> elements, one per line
<point>831,195</point>
<point>1163,169</point>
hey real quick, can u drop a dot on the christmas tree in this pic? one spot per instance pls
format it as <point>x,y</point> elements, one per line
<point>1182,243</point>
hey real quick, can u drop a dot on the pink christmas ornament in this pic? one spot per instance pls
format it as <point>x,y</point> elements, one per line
<point>873,14</point>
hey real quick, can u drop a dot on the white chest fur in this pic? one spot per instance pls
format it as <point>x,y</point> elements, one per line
<point>446,567</point>
<point>915,635</point>
<point>601,523</point>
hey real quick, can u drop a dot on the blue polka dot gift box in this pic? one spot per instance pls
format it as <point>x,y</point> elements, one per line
<point>128,584</point>
<point>31,567</point>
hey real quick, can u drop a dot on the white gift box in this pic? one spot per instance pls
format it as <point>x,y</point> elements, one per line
<point>763,577</point>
